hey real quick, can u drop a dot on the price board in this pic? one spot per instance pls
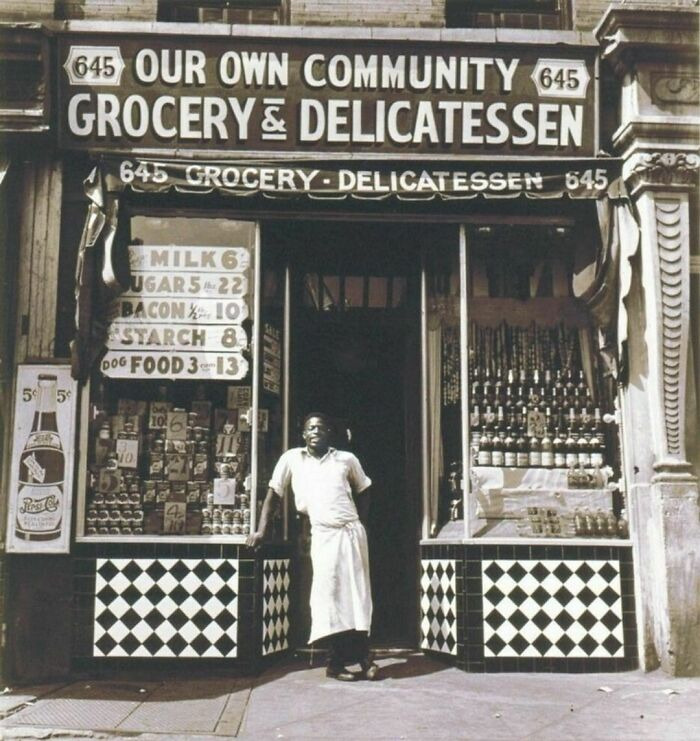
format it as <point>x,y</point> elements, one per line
<point>176,284</point>
<point>194,258</point>
<point>207,338</point>
<point>143,311</point>
<point>180,316</point>
<point>175,366</point>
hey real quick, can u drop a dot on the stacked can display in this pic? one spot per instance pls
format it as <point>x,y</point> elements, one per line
<point>158,469</point>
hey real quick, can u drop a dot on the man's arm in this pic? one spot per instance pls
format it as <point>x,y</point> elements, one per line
<point>268,508</point>
<point>361,500</point>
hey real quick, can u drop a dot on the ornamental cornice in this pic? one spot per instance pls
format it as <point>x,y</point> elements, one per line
<point>639,31</point>
<point>667,169</point>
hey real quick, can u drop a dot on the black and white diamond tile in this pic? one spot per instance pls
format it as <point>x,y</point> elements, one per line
<point>275,617</point>
<point>552,608</point>
<point>439,605</point>
<point>166,607</point>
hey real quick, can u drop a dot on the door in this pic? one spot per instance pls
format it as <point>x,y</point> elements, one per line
<point>356,356</point>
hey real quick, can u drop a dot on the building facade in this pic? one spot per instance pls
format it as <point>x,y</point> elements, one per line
<point>467,230</point>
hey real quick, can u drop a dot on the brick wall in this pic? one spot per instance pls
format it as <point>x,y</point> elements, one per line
<point>587,13</point>
<point>107,10</point>
<point>26,10</point>
<point>398,13</point>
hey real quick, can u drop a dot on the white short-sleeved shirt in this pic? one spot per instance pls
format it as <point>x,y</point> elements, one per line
<point>322,487</point>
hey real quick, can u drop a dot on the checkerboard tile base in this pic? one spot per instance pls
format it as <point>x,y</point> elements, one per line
<point>166,607</point>
<point>551,608</point>
<point>275,615</point>
<point>439,605</point>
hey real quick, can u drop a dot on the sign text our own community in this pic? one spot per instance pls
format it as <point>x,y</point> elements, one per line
<point>244,94</point>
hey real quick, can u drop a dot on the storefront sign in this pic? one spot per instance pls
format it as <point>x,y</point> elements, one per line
<point>576,178</point>
<point>40,493</point>
<point>361,95</point>
<point>202,366</point>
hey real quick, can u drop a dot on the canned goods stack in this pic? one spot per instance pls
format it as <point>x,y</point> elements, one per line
<point>156,468</point>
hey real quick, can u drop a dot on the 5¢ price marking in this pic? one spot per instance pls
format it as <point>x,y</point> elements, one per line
<point>61,394</point>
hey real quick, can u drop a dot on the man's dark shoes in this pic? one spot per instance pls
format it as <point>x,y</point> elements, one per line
<point>369,669</point>
<point>341,673</point>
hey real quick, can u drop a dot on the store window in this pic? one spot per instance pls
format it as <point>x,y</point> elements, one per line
<point>223,11</point>
<point>535,14</point>
<point>442,371</point>
<point>520,433</point>
<point>172,410</point>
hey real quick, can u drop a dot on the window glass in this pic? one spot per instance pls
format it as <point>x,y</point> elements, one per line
<point>169,439</point>
<point>543,461</point>
<point>543,14</point>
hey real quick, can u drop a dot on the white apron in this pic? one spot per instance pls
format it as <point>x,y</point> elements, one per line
<point>340,591</point>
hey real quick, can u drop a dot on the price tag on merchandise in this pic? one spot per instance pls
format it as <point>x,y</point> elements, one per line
<point>108,481</point>
<point>226,444</point>
<point>239,397</point>
<point>178,465</point>
<point>174,517</point>
<point>127,453</point>
<point>158,415</point>
<point>225,491</point>
<point>176,425</point>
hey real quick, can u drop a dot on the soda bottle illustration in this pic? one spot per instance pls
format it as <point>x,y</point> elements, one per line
<point>41,470</point>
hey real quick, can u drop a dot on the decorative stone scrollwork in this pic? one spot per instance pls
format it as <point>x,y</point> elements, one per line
<point>679,89</point>
<point>666,169</point>
<point>670,245</point>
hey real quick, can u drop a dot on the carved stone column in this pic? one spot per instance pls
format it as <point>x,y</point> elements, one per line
<point>661,183</point>
<point>653,50</point>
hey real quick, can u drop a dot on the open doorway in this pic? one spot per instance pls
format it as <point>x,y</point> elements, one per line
<point>356,356</point>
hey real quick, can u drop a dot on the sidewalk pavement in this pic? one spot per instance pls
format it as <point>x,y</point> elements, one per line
<point>416,697</point>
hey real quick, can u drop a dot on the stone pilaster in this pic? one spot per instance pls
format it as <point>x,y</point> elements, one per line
<point>653,50</point>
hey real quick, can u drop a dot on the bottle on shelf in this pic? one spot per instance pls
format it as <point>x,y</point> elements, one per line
<point>597,422</point>
<point>558,388</point>
<point>509,401</point>
<point>535,452</point>
<point>559,446</point>
<point>509,452</point>
<point>596,451</point>
<point>547,451</point>
<point>584,451</point>
<point>488,389</point>
<point>622,526</point>
<point>571,448</point>
<point>501,420</point>
<point>497,449</point>
<point>484,454</point>
<point>569,387</point>
<point>522,453</point>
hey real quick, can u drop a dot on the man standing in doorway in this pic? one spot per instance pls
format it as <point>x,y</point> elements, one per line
<point>330,486</point>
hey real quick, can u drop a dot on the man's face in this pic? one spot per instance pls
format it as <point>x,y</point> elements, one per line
<point>316,434</point>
